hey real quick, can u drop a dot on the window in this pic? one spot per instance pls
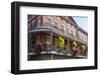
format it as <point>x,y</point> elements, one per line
<point>34,23</point>
<point>62,28</point>
<point>79,35</point>
<point>30,17</point>
<point>55,25</point>
<point>74,33</point>
<point>85,40</point>
<point>66,30</point>
<point>69,31</point>
<point>39,22</point>
<point>49,22</point>
<point>69,28</point>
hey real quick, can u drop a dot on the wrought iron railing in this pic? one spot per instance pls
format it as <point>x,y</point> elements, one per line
<point>58,31</point>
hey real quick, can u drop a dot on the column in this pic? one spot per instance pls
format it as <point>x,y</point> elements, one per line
<point>68,45</point>
<point>29,42</point>
<point>51,36</point>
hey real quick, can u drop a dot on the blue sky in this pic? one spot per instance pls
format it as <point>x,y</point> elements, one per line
<point>82,22</point>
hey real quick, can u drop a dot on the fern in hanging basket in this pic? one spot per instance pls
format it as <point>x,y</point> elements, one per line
<point>74,44</point>
<point>83,48</point>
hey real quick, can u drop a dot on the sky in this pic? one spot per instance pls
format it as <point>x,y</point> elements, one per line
<point>82,22</point>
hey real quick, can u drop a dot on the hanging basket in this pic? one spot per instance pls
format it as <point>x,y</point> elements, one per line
<point>74,44</point>
<point>61,42</point>
<point>83,48</point>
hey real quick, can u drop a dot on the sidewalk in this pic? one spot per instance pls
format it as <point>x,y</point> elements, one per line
<point>52,55</point>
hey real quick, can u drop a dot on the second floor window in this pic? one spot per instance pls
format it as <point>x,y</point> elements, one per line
<point>62,28</point>
<point>55,25</point>
<point>39,22</point>
<point>69,31</point>
<point>66,30</point>
<point>33,24</point>
<point>74,33</point>
<point>49,22</point>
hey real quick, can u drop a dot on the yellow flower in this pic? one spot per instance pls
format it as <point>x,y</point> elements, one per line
<point>75,44</point>
<point>61,42</point>
<point>83,47</point>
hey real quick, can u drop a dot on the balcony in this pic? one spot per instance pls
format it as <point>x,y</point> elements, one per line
<point>46,28</point>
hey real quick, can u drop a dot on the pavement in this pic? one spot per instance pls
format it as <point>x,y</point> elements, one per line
<point>52,55</point>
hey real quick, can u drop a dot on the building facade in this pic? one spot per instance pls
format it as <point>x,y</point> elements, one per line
<point>56,33</point>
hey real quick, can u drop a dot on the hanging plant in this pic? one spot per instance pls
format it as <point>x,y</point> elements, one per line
<point>61,42</point>
<point>74,44</point>
<point>83,48</point>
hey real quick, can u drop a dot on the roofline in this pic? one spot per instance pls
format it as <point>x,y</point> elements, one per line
<point>78,25</point>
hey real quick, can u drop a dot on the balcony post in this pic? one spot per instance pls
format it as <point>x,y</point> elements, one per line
<point>69,49</point>
<point>51,36</point>
<point>29,41</point>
